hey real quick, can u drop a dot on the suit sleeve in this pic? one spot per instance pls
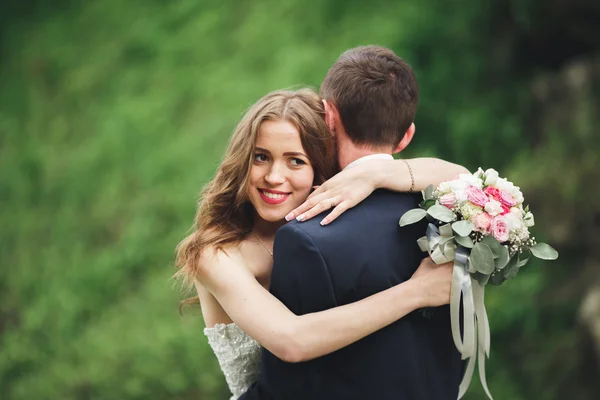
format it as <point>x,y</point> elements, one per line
<point>300,278</point>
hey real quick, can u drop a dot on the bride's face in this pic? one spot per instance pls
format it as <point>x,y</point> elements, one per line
<point>281,176</point>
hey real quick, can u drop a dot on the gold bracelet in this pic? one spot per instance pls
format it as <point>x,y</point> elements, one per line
<point>412,178</point>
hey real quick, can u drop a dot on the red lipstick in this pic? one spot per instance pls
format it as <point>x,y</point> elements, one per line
<point>279,197</point>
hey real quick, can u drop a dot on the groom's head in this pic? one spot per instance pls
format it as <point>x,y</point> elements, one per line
<point>371,96</point>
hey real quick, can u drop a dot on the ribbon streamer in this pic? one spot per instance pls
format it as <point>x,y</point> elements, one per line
<point>474,345</point>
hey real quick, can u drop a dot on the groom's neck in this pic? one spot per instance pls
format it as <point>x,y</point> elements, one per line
<point>349,152</point>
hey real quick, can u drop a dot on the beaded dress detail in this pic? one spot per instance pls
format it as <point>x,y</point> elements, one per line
<point>238,355</point>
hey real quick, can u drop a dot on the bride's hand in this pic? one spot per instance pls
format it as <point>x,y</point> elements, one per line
<point>435,282</point>
<point>342,192</point>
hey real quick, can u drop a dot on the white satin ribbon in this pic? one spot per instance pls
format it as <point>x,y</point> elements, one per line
<point>475,343</point>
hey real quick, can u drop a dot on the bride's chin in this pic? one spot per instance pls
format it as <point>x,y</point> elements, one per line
<point>272,217</point>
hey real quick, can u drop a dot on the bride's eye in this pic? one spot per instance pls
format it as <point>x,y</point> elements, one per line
<point>296,162</point>
<point>259,157</point>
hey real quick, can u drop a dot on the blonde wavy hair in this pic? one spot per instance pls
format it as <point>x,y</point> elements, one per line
<point>224,213</point>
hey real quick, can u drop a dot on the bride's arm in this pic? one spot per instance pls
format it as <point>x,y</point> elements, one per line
<point>295,338</point>
<point>353,185</point>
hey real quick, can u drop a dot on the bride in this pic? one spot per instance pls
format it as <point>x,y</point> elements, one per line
<point>278,153</point>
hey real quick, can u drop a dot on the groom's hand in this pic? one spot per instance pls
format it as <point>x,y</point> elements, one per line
<point>434,281</point>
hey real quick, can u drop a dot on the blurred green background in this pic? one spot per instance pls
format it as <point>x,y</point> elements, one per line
<point>114,113</point>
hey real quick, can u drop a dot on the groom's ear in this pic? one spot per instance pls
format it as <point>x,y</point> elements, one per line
<point>408,135</point>
<point>331,115</point>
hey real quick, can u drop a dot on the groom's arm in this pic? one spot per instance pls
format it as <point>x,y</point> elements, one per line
<point>300,277</point>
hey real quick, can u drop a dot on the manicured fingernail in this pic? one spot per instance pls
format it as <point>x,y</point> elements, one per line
<point>300,217</point>
<point>325,221</point>
<point>289,217</point>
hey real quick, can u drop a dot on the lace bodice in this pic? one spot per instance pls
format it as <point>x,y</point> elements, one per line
<point>238,355</point>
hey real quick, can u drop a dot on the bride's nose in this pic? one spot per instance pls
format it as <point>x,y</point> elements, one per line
<point>275,175</point>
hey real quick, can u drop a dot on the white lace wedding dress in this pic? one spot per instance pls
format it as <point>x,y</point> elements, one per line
<point>238,355</point>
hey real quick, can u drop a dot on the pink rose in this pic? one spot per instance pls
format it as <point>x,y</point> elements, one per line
<point>476,196</point>
<point>448,200</point>
<point>482,222</point>
<point>499,229</point>
<point>505,210</point>
<point>492,192</point>
<point>507,199</point>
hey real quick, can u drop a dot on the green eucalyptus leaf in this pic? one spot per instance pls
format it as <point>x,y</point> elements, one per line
<point>463,228</point>
<point>497,278</point>
<point>482,278</point>
<point>513,272</point>
<point>544,251</point>
<point>503,257</point>
<point>427,203</point>
<point>524,258</point>
<point>471,268</point>
<point>464,241</point>
<point>482,258</point>
<point>512,268</point>
<point>441,213</point>
<point>428,192</point>
<point>493,244</point>
<point>412,216</point>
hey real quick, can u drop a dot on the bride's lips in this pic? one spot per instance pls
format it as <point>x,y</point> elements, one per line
<point>273,196</point>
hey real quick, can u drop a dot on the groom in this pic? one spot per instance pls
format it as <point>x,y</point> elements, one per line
<point>370,103</point>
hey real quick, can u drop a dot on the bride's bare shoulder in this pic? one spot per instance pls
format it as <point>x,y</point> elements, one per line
<point>213,257</point>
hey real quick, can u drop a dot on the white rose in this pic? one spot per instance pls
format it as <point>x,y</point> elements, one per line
<point>515,191</point>
<point>458,184</point>
<point>493,207</point>
<point>502,184</point>
<point>491,176</point>
<point>519,198</point>
<point>471,180</point>
<point>513,221</point>
<point>444,188</point>
<point>517,212</point>
<point>461,195</point>
<point>528,220</point>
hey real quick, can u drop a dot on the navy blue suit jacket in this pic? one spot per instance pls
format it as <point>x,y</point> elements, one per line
<point>363,252</point>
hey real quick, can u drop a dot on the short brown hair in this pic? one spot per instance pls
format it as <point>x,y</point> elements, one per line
<point>375,92</point>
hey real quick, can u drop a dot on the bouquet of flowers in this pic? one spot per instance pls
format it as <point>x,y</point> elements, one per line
<point>478,222</point>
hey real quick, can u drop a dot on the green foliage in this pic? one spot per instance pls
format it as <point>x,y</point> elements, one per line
<point>112,116</point>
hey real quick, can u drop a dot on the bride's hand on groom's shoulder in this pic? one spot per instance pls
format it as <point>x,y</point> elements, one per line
<point>342,192</point>
<point>434,282</point>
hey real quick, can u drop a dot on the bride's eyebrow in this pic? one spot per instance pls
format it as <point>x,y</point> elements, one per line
<point>262,150</point>
<point>294,154</point>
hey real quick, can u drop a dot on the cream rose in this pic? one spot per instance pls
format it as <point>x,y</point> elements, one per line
<point>444,188</point>
<point>469,210</point>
